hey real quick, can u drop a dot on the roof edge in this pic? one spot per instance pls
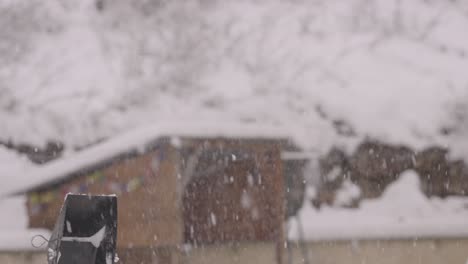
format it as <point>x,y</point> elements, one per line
<point>56,171</point>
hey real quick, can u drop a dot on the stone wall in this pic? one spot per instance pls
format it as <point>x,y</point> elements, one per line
<point>374,165</point>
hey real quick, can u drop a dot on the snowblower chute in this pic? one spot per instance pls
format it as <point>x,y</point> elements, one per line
<point>85,231</point>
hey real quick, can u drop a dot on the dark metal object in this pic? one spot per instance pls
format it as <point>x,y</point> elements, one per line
<point>85,231</point>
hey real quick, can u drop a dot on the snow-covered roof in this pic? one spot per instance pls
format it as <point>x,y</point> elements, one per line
<point>137,139</point>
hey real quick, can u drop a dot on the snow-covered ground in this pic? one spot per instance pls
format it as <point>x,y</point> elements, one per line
<point>402,211</point>
<point>387,69</point>
<point>13,220</point>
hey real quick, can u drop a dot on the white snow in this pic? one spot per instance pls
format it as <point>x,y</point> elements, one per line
<point>402,212</point>
<point>297,63</point>
<point>69,229</point>
<point>246,201</point>
<point>109,258</point>
<point>14,220</point>
<point>346,194</point>
<point>73,74</point>
<point>213,218</point>
<point>13,167</point>
<point>20,239</point>
<point>51,254</point>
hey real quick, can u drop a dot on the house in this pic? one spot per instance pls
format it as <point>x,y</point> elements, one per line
<point>176,185</point>
<point>215,194</point>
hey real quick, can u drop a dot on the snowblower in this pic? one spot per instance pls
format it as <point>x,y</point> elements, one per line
<point>85,231</point>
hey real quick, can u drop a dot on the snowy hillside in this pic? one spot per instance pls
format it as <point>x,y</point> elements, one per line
<point>335,71</point>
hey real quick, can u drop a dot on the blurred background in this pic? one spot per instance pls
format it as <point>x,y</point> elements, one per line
<point>250,131</point>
